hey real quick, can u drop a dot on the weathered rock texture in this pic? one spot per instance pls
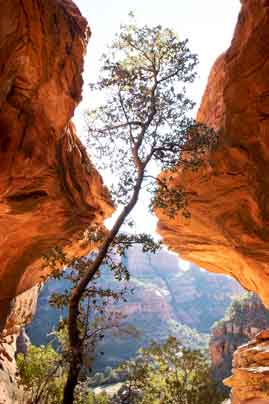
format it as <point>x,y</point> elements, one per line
<point>163,288</point>
<point>23,307</point>
<point>243,320</point>
<point>228,230</point>
<point>250,379</point>
<point>49,190</point>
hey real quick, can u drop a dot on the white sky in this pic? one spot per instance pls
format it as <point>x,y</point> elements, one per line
<point>208,25</point>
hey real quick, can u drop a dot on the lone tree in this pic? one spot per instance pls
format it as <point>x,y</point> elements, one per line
<point>141,127</point>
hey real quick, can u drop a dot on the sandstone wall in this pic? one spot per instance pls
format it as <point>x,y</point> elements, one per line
<point>228,230</point>
<point>23,307</point>
<point>250,379</point>
<point>49,190</point>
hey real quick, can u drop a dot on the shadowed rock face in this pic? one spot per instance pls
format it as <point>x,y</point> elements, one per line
<point>49,190</point>
<point>228,230</point>
<point>23,307</point>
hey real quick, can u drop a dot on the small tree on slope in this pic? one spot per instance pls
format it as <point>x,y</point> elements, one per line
<point>142,125</point>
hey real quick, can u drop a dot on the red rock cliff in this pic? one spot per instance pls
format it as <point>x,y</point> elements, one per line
<point>228,230</point>
<point>49,190</point>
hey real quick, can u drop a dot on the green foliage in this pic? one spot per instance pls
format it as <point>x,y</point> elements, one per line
<point>101,398</point>
<point>144,123</point>
<point>245,314</point>
<point>167,373</point>
<point>172,374</point>
<point>96,314</point>
<point>85,396</point>
<point>41,374</point>
<point>237,308</point>
<point>246,311</point>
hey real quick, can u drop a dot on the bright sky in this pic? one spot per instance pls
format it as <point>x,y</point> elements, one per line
<point>208,25</point>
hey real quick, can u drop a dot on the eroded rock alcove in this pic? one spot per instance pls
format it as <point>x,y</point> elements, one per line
<point>49,190</point>
<point>228,229</point>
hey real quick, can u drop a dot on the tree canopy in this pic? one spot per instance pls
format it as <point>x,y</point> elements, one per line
<point>169,373</point>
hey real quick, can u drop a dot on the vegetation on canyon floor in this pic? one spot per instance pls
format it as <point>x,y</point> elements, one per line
<point>167,373</point>
<point>166,299</point>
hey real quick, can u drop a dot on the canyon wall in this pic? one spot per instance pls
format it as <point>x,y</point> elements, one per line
<point>245,317</point>
<point>228,229</point>
<point>49,190</point>
<point>250,379</point>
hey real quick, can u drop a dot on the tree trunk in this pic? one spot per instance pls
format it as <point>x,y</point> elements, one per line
<point>72,379</point>
<point>73,330</point>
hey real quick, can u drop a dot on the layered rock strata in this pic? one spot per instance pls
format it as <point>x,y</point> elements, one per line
<point>168,299</point>
<point>49,190</point>
<point>250,379</point>
<point>228,195</point>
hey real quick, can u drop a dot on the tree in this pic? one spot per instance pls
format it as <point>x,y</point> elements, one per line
<point>142,126</point>
<point>41,375</point>
<point>169,374</point>
<point>97,314</point>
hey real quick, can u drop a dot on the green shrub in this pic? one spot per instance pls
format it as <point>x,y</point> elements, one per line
<point>41,374</point>
<point>172,374</point>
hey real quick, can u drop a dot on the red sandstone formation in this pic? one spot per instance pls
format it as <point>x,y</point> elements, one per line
<point>250,379</point>
<point>228,230</point>
<point>49,190</point>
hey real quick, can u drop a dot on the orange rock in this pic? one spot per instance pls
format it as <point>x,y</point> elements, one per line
<point>49,190</point>
<point>250,379</point>
<point>228,230</point>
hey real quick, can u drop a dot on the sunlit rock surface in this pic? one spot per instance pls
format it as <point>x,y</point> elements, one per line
<point>49,190</point>
<point>228,230</point>
<point>250,379</point>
